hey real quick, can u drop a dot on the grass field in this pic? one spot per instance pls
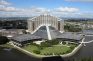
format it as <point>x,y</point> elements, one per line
<point>30,48</point>
<point>54,50</point>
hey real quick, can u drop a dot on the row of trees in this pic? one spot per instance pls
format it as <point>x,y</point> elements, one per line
<point>49,43</point>
<point>16,24</point>
<point>72,28</point>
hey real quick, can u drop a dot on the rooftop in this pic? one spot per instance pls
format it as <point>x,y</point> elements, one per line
<point>41,33</point>
<point>70,35</point>
<point>25,37</point>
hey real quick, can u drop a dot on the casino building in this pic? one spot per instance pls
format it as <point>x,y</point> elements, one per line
<point>45,27</point>
<point>45,20</point>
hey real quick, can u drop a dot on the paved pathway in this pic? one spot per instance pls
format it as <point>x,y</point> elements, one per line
<point>87,42</point>
<point>84,41</point>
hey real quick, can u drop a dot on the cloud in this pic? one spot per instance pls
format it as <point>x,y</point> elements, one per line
<point>80,0</point>
<point>38,9</point>
<point>33,10</point>
<point>22,11</point>
<point>66,9</point>
<point>7,9</point>
<point>3,2</point>
<point>4,6</point>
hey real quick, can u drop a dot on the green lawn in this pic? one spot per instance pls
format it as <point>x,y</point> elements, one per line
<point>56,50</point>
<point>30,48</point>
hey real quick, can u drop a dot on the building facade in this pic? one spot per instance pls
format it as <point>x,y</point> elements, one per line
<point>45,20</point>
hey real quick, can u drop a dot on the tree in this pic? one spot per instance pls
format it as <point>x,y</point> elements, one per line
<point>45,44</point>
<point>3,40</point>
<point>36,51</point>
<point>54,42</point>
<point>24,31</point>
<point>72,28</point>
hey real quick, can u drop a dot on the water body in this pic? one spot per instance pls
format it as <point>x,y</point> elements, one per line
<point>87,50</point>
<point>16,55</point>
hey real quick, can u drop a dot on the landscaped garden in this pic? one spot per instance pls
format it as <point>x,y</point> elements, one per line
<point>50,48</point>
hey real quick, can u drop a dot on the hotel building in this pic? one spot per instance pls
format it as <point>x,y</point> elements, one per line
<point>45,20</point>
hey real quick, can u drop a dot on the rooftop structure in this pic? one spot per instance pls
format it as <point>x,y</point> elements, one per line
<point>70,36</point>
<point>41,34</point>
<point>25,37</point>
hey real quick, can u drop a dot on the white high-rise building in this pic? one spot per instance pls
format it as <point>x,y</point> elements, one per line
<point>43,20</point>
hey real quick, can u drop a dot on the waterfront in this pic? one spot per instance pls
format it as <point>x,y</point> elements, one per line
<point>15,55</point>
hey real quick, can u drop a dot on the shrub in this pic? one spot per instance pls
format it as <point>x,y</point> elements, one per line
<point>35,44</point>
<point>68,51</point>
<point>3,40</point>
<point>40,47</point>
<point>63,43</point>
<point>63,53</point>
<point>57,53</point>
<point>54,42</point>
<point>36,51</point>
<point>45,44</point>
<point>72,47</point>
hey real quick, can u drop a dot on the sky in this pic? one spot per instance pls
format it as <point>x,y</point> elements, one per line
<point>63,8</point>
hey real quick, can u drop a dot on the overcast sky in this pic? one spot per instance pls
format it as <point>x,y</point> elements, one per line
<point>64,8</point>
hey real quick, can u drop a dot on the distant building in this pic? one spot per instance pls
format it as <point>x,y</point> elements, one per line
<point>10,32</point>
